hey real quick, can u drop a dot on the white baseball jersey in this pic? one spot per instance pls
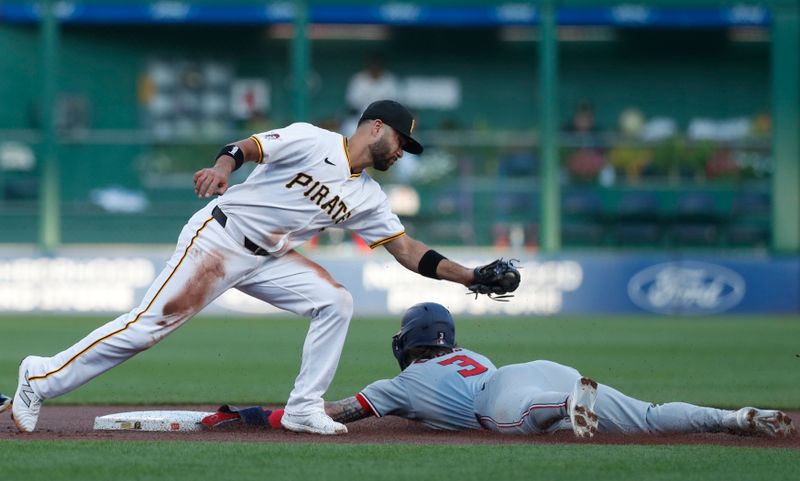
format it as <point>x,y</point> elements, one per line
<point>303,185</point>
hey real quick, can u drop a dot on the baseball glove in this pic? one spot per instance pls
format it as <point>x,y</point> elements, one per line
<point>496,280</point>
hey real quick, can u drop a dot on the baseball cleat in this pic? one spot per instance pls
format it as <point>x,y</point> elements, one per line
<point>316,423</point>
<point>5,402</point>
<point>581,408</point>
<point>27,404</point>
<point>774,424</point>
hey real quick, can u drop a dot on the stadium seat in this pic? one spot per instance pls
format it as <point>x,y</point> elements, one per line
<point>583,220</point>
<point>638,219</point>
<point>750,220</point>
<point>696,221</point>
<point>751,204</point>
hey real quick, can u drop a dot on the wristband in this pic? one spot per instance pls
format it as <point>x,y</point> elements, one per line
<point>427,265</point>
<point>233,151</point>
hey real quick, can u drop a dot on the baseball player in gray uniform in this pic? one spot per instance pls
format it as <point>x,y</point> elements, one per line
<point>447,387</point>
<point>307,179</point>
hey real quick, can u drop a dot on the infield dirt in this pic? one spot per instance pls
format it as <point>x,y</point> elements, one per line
<point>76,423</point>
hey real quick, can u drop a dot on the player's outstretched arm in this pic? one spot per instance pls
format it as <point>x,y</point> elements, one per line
<point>496,279</point>
<point>418,257</point>
<point>227,416</point>
<point>346,410</point>
<point>214,180</point>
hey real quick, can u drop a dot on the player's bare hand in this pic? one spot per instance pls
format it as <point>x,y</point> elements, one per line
<point>211,181</point>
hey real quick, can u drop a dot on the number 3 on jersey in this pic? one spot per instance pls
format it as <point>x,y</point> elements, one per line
<point>473,367</point>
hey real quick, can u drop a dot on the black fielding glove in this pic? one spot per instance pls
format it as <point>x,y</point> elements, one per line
<point>496,280</point>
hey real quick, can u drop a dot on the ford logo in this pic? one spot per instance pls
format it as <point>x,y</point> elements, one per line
<point>686,287</point>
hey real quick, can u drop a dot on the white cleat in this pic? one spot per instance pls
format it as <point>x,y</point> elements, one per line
<point>581,408</point>
<point>27,404</point>
<point>774,424</point>
<point>5,403</point>
<point>316,423</point>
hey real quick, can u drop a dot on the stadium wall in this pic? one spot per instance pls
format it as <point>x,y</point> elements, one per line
<point>586,284</point>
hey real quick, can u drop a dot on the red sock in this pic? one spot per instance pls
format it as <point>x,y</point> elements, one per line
<point>275,419</point>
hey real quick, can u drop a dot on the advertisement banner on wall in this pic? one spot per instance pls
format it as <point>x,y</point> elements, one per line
<point>575,285</point>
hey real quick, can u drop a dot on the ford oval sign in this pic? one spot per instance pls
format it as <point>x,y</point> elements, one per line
<point>687,287</point>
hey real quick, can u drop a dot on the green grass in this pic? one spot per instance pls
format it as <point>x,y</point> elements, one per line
<point>88,460</point>
<point>725,361</point>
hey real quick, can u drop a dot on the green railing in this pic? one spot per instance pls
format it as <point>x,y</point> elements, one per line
<point>470,188</point>
<point>61,210</point>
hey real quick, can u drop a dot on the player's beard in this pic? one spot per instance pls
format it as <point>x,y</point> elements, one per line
<point>381,154</point>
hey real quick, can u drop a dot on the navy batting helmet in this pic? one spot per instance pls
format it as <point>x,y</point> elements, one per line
<point>425,324</point>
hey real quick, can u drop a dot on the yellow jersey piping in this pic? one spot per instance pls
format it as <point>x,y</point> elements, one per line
<point>347,154</point>
<point>260,150</point>
<point>387,239</point>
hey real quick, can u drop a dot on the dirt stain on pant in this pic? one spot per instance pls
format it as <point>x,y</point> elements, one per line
<point>194,294</point>
<point>321,272</point>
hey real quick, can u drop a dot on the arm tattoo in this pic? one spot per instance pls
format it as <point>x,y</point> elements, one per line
<point>346,410</point>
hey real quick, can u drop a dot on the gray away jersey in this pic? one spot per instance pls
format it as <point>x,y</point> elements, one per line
<point>438,392</point>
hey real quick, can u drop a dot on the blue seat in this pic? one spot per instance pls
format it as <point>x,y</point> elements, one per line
<point>583,220</point>
<point>751,204</point>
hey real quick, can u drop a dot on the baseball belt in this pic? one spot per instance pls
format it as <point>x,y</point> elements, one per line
<point>220,217</point>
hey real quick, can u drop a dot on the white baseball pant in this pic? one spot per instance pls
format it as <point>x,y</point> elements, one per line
<point>208,261</point>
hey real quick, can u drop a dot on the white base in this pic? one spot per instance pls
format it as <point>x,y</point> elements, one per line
<point>168,421</point>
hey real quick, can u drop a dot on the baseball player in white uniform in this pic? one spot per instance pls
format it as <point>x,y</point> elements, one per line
<point>451,388</point>
<point>307,179</point>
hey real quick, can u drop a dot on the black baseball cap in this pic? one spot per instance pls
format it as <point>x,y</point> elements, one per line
<point>396,116</point>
